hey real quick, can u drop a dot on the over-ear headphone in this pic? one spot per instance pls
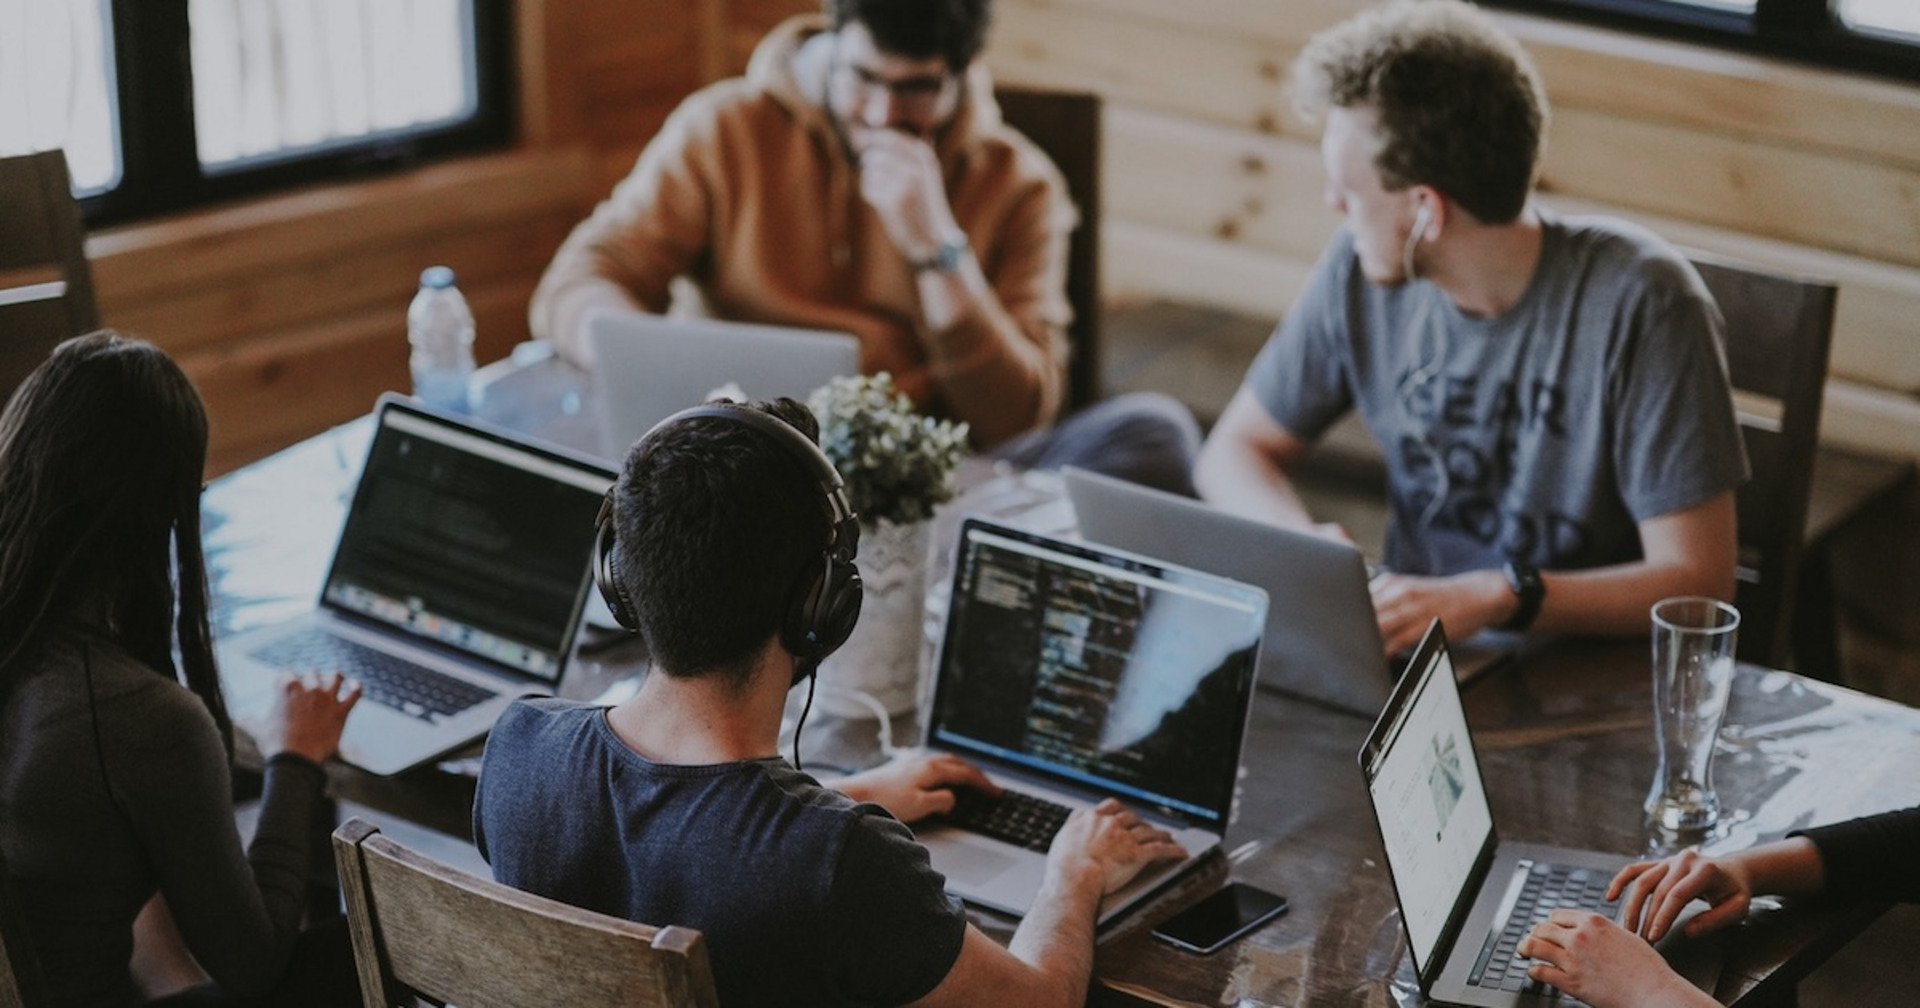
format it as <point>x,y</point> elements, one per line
<point>825,604</point>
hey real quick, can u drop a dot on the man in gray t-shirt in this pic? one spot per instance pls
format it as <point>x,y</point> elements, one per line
<point>1549,393</point>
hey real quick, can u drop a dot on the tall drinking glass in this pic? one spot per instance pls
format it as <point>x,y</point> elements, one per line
<point>1693,642</point>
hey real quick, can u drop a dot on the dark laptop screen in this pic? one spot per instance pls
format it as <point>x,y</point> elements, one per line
<point>1097,668</point>
<point>469,540</point>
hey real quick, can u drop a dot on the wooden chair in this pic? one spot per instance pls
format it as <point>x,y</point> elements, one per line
<point>1066,126</point>
<point>21,985</point>
<point>1779,329</point>
<point>46,288</point>
<point>423,929</point>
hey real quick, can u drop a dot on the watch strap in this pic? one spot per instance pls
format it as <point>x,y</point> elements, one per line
<point>947,257</point>
<point>1530,589</point>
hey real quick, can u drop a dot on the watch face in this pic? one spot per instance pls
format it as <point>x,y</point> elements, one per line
<point>1525,581</point>
<point>951,251</point>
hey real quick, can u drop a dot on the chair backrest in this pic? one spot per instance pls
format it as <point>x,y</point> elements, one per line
<point>1779,329</point>
<point>1066,126</point>
<point>46,288</point>
<point>423,929</point>
<point>21,985</point>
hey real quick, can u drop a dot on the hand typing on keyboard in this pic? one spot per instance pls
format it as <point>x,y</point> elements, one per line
<point>913,786</point>
<point>309,712</point>
<point>1604,964</point>
<point>1102,848</point>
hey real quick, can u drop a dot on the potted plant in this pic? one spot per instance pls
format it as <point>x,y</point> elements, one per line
<point>898,466</point>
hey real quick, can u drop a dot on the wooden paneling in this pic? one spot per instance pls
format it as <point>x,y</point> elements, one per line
<point>1825,200</point>
<point>290,312</point>
<point>1230,184</point>
<point>1144,259</point>
<point>332,369</point>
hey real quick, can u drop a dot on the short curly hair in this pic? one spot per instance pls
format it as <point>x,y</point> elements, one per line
<point>1460,104</point>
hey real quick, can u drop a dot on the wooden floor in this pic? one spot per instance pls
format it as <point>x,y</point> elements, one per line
<point>1198,356</point>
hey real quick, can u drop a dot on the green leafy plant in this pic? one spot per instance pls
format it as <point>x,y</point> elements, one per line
<point>896,463</point>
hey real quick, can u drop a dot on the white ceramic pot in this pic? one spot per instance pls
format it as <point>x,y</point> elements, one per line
<point>878,668</point>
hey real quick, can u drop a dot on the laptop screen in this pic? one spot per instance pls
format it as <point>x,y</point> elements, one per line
<point>469,540</point>
<point>1424,780</point>
<point>1096,668</point>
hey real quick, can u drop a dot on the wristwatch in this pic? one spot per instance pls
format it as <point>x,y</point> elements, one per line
<point>1528,587</point>
<point>947,257</point>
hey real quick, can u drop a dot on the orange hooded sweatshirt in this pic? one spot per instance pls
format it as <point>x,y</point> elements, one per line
<point>749,192</point>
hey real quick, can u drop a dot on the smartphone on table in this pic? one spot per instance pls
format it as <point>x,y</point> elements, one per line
<point>1214,922</point>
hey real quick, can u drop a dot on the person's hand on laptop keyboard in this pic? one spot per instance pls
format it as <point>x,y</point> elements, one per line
<point>915,785</point>
<point>308,713</point>
<point>1106,845</point>
<point>1464,604</point>
<point>1605,965</point>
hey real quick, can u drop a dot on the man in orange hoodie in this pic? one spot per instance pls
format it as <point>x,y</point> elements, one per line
<point>859,178</point>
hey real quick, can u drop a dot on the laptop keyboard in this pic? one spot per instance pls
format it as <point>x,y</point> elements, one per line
<point>1019,819</point>
<point>384,679</point>
<point>1546,888</point>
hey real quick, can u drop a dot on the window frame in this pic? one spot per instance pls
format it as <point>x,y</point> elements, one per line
<point>160,168</point>
<point>1806,31</point>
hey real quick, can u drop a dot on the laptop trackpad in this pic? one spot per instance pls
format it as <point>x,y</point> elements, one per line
<point>971,864</point>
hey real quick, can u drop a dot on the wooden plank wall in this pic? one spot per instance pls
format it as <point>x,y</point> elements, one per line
<point>1213,187</point>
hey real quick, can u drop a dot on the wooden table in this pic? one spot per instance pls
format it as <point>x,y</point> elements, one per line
<point>1566,745</point>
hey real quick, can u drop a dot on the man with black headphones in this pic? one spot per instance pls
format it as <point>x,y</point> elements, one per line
<point>1549,392</point>
<point>728,544</point>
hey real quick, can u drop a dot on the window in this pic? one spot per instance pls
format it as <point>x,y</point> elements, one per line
<point>278,92</point>
<point>1876,36</point>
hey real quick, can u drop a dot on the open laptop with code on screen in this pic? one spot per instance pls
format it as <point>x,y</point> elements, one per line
<point>1072,674</point>
<point>457,584</point>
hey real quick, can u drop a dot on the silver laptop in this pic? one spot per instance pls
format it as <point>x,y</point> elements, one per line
<point>1072,674</point>
<point>1467,897</point>
<point>456,585</point>
<point>649,367</point>
<point>1322,640</point>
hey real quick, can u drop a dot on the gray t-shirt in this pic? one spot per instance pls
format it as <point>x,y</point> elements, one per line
<point>1545,434</point>
<point>805,897</point>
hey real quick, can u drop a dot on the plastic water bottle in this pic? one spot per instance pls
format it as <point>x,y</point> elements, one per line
<point>440,328</point>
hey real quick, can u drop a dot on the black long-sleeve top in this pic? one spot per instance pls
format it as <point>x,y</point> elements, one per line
<point>114,785</point>
<point>1877,855</point>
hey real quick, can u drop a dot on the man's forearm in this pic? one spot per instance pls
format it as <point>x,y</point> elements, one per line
<point>993,374</point>
<point>560,314</point>
<point>1617,600</point>
<point>1056,937</point>
<point>1246,482</point>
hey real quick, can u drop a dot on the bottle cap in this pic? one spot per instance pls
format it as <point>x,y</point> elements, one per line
<point>436,277</point>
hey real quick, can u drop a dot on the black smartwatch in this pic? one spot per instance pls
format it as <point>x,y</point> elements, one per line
<point>1527,586</point>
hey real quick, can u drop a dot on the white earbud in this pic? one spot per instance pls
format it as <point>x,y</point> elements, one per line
<point>1422,218</point>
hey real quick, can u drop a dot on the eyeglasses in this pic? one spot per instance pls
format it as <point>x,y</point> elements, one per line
<point>919,91</point>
